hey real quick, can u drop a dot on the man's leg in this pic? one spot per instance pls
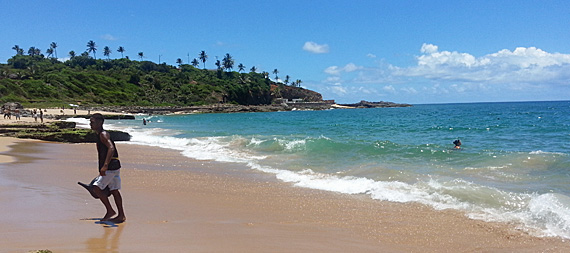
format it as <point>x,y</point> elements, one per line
<point>119,202</point>
<point>105,200</point>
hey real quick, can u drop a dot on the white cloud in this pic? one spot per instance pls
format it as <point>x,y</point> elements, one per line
<point>332,70</point>
<point>389,88</point>
<point>522,65</point>
<point>366,90</point>
<point>371,55</point>
<point>351,67</point>
<point>333,79</point>
<point>429,48</point>
<point>521,73</point>
<point>108,37</point>
<point>336,70</point>
<point>410,90</point>
<point>337,89</point>
<point>315,48</point>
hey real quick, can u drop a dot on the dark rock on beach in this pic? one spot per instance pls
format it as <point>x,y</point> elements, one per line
<point>59,131</point>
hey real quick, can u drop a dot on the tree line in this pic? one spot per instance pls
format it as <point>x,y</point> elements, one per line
<point>33,77</point>
<point>226,64</point>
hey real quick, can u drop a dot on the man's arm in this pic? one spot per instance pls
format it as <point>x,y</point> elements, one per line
<point>106,140</point>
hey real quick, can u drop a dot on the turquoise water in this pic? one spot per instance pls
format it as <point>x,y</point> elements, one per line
<point>513,166</point>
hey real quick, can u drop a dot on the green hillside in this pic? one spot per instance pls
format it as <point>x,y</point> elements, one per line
<point>82,79</point>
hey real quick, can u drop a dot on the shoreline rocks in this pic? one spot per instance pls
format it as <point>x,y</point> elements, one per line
<point>58,131</point>
<point>232,108</point>
<point>381,104</point>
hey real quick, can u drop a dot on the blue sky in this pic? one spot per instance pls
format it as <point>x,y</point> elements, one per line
<point>401,51</point>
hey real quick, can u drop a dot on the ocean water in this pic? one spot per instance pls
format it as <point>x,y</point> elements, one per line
<point>514,164</point>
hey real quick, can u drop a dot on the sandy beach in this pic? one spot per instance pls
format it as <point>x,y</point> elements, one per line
<point>176,204</point>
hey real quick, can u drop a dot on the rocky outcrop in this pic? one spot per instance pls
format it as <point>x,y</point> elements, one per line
<point>290,93</point>
<point>59,131</point>
<point>366,104</point>
<point>233,108</point>
<point>12,105</point>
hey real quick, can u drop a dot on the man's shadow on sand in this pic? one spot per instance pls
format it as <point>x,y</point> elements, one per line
<point>110,239</point>
<point>107,224</point>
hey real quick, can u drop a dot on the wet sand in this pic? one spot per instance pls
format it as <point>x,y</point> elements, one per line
<point>177,204</point>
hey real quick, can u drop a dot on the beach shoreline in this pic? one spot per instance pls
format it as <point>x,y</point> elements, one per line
<point>174,203</point>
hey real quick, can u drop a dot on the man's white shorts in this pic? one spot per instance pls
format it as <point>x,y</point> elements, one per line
<point>112,179</point>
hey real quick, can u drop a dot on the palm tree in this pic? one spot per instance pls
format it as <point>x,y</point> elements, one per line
<point>275,71</point>
<point>203,57</point>
<point>17,49</point>
<point>121,50</point>
<point>265,74</point>
<point>91,47</point>
<point>53,45</point>
<point>195,63</point>
<point>71,54</point>
<point>298,82</point>
<point>33,51</point>
<point>179,62</point>
<point>287,79</point>
<point>49,52</point>
<point>106,51</point>
<point>241,67</point>
<point>218,64</point>
<point>253,69</point>
<point>141,55</point>
<point>228,62</point>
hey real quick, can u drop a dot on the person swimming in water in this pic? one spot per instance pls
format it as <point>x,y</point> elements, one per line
<point>457,144</point>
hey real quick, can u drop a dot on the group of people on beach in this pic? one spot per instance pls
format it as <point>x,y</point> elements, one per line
<point>9,111</point>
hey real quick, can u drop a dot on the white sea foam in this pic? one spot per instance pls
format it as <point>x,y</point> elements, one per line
<point>540,152</point>
<point>80,122</point>
<point>292,145</point>
<point>541,215</point>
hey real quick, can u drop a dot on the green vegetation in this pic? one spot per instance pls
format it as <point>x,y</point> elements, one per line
<point>37,79</point>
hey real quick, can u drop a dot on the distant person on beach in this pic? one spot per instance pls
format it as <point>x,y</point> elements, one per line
<point>7,113</point>
<point>17,113</point>
<point>457,144</point>
<point>35,115</point>
<point>109,170</point>
<point>144,121</point>
<point>41,116</point>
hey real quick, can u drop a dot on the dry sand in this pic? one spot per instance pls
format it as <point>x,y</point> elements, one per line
<point>176,204</point>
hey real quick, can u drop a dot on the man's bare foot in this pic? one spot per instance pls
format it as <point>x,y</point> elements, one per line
<point>108,216</point>
<point>118,219</point>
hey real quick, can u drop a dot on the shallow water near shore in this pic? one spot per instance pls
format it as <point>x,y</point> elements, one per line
<point>513,165</point>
